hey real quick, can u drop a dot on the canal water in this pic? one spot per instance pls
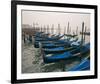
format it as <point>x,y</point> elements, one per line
<point>32,61</point>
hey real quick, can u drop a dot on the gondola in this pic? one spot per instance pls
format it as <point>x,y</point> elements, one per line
<point>48,38</point>
<point>55,43</point>
<point>61,49</point>
<point>83,65</point>
<point>59,43</point>
<point>58,49</point>
<point>38,40</point>
<point>49,58</point>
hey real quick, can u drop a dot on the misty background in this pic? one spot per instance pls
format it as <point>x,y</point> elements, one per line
<point>44,18</point>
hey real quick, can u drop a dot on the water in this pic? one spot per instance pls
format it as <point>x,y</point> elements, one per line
<point>32,60</point>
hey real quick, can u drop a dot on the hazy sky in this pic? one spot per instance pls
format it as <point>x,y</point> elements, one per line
<point>49,18</point>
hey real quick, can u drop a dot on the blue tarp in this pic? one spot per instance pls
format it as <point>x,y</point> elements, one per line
<point>84,65</point>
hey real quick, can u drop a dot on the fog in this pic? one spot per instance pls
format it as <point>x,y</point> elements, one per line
<point>42,18</point>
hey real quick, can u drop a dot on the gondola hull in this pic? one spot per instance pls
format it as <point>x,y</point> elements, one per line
<point>48,58</point>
